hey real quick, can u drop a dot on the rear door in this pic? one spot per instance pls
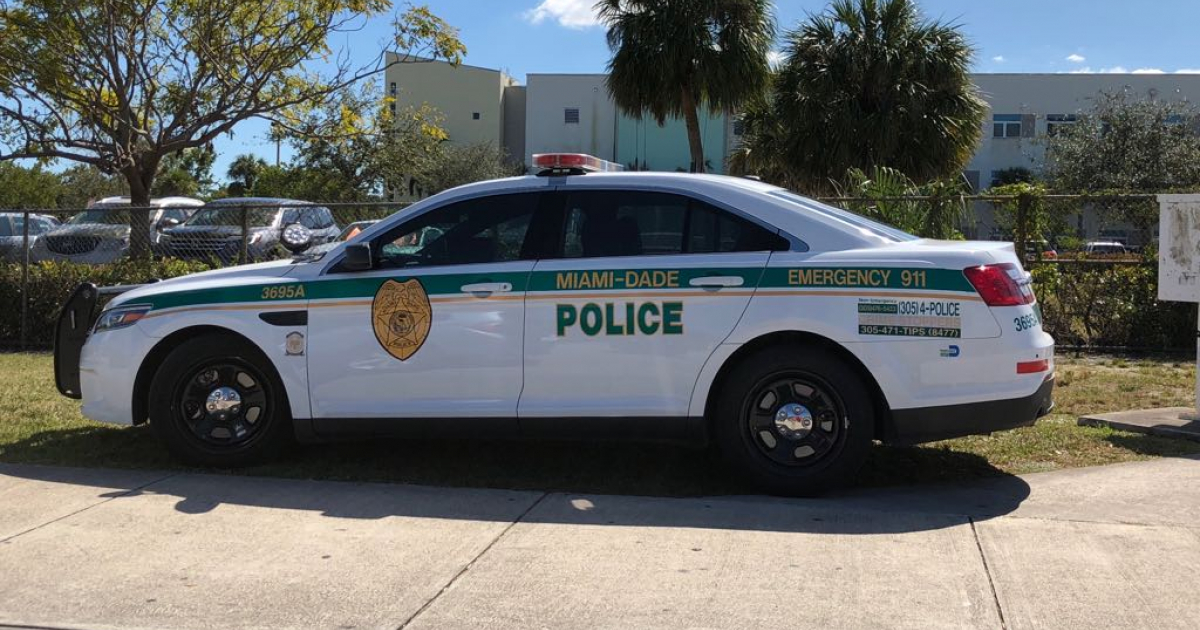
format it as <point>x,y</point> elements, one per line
<point>644,286</point>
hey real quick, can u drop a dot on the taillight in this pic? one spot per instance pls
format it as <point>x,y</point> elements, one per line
<point>1001,284</point>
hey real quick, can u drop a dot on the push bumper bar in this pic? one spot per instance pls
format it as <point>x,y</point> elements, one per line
<point>71,332</point>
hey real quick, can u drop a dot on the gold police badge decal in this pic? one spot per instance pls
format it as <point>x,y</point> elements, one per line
<point>401,317</point>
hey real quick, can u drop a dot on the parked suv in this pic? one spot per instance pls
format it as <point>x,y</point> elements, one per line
<point>276,227</point>
<point>12,233</point>
<point>100,234</point>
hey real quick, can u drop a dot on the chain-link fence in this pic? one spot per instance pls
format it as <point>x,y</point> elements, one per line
<point>1092,257</point>
<point>46,253</point>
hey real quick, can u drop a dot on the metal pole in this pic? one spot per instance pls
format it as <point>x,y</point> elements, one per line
<point>245,253</point>
<point>1024,201</point>
<point>25,281</point>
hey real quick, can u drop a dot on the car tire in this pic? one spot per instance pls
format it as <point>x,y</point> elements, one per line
<point>794,420</point>
<point>217,401</point>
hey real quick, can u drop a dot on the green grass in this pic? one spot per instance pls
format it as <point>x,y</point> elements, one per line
<point>39,426</point>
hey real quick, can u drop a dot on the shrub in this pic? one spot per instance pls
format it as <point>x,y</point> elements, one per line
<point>51,283</point>
<point>1099,304</point>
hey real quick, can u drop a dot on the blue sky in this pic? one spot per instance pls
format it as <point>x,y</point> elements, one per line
<point>536,36</point>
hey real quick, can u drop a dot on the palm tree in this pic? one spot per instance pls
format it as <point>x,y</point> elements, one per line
<point>867,83</point>
<point>671,57</point>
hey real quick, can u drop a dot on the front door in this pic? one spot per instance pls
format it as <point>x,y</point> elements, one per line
<point>646,285</point>
<point>435,331</point>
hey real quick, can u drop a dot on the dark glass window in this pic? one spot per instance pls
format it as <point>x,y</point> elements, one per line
<point>475,231</point>
<point>634,223</point>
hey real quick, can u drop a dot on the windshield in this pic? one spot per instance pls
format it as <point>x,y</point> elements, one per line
<point>874,228</point>
<point>232,216</point>
<point>105,215</point>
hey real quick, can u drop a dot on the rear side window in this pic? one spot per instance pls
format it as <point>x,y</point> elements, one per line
<point>637,223</point>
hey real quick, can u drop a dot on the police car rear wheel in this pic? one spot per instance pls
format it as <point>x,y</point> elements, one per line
<point>215,402</point>
<point>795,420</point>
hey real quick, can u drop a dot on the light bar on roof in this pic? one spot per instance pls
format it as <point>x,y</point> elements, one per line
<point>574,162</point>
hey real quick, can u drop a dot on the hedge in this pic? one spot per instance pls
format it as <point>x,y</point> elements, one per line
<point>51,283</point>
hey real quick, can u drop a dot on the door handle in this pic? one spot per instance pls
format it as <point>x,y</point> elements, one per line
<point>716,282</point>
<point>487,287</point>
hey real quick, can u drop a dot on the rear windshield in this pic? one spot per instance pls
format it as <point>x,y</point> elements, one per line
<point>875,228</point>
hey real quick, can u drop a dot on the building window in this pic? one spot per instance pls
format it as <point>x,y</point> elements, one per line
<point>475,116</point>
<point>571,115</point>
<point>739,127</point>
<point>392,106</point>
<point>1056,122</point>
<point>1006,126</point>
<point>392,88</point>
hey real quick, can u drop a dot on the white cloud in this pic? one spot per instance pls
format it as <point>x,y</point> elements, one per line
<point>1148,71</point>
<point>1188,71</point>
<point>998,59</point>
<point>775,57</point>
<point>1076,58</point>
<point>1083,70</point>
<point>577,14</point>
<point>1114,70</point>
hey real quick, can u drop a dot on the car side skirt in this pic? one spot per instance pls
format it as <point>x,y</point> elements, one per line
<point>657,429</point>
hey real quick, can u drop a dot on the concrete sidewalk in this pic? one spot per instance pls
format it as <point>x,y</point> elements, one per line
<point>1103,547</point>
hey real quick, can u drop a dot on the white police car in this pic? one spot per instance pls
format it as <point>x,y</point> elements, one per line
<point>583,304</point>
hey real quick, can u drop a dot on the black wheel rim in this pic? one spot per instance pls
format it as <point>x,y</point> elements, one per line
<point>223,405</point>
<point>795,419</point>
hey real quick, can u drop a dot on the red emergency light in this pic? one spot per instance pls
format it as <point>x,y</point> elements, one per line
<point>567,163</point>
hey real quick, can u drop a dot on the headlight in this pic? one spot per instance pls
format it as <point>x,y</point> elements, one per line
<point>120,317</point>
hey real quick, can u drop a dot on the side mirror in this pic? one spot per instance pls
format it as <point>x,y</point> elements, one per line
<point>167,224</point>
<point>358,257</point>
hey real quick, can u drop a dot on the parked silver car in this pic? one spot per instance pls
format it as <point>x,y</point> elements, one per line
<point>100,234</point>
<point>12,233</point>
<point>274,228</point>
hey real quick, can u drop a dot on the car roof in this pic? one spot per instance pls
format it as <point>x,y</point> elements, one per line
<point>800,218</point>
<point>155,202</point>
<point>266,201</point>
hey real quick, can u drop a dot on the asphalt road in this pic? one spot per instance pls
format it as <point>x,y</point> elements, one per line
<point>1103,547</point>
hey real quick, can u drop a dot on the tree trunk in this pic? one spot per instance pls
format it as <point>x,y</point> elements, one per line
<point>140,180</point>
<point>692,118</point>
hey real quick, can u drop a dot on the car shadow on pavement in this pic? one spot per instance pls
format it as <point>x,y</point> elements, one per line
<point>901,489</point>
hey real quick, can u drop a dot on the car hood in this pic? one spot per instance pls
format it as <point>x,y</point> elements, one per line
<point>102,230</point>
<point>228,277</point>
<point>210,230</point>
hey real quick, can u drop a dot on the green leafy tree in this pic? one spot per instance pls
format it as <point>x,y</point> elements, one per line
<point>82,184</point>
<point>1126,144</point>
<point>243,174</point>
<point>867,83</point>
<point>453,165</point>
<point>27,188</point>
<point>354,148</point>
<point>187,173</point>
<point>672,57</point>
<point>121,84</point>
<point>933,210</point>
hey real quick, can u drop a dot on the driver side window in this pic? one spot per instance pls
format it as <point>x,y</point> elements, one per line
<point>475,231</point>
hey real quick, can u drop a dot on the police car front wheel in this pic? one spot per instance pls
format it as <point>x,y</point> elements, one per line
<point>216,402</point>
<point>795,420</point>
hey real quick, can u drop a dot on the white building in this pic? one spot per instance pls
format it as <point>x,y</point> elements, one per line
<point>1025,108</point>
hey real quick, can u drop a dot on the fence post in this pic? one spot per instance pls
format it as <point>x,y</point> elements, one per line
<point>1024,205</point>
<point>25,280</point>
<point>244,255</point>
